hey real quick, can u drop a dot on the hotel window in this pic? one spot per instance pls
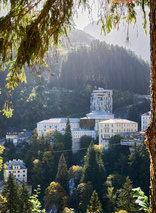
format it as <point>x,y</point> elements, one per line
<point>18,171</point>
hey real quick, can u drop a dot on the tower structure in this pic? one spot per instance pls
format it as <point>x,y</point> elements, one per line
<point>101,100</point>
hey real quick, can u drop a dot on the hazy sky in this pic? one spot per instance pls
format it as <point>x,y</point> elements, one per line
<point>83,19</point>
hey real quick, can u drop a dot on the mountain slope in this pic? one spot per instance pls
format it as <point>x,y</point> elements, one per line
<point>138,42</point>
<point>102,65</point>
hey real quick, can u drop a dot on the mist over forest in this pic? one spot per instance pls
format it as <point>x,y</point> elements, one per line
<point>64,87</point>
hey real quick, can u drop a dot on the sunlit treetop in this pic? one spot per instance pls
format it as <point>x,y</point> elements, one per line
<point>33,27</point>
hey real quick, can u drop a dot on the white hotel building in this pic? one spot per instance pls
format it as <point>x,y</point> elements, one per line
<point>59,124</point>
<point>99,122</point>
<point>101,107</point>
<point>112,127</point>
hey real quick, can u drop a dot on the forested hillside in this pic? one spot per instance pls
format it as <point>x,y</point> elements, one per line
<point>85,66</point>
<point>103,65</point>
<point>138,41</point>
<point>33,104</point>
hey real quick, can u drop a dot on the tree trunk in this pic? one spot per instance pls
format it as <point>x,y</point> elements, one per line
<point>151,130</point>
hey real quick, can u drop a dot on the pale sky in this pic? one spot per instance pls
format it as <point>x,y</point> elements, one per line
<point>83,18</point>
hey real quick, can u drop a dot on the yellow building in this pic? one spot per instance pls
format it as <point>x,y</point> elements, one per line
<point>112,127</point>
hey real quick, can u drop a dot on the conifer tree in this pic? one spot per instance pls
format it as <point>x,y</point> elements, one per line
<point>94,165</point>
<point>68,142</point>
<point>11,194</point>
<point>125,200</point>
<point>95,204</point>
<point>25,205</point>
<point>62,173</point>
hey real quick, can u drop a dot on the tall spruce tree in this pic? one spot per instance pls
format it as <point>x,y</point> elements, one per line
<point>95,204</point>
<point>68,142</point>
<point>11,193</point>
<point>25,205</point>
<point>125,200</point>
<point>62,173</point>
<point>94,169</point>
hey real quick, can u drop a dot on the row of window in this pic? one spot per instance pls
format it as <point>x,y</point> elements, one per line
<point>17,171</point>
<point>16,167</point>
<point>145,118</point>
<point>118,125</point>
<point>145,122</point>
<point>18,176</point>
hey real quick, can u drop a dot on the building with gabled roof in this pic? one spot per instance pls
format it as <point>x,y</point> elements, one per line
<point>17,167</point>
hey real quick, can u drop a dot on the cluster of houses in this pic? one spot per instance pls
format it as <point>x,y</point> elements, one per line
<point>16,136</point>
<point>100,122</point>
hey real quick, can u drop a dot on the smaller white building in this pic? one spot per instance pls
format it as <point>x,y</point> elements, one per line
<point>18,168</point>
<point>58,124</point>
<point>112,127</point>
<point>145,118</point>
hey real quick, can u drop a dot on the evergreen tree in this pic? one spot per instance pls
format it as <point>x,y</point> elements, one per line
<point>68,142</point>
<point>125,200</point>
<point>62,173</point>
<point>139,167</point>
<point>11,194</point>
<point>25,205</point>
<point>95,204</point>
<point>68,136</point>
<point>94,165</point>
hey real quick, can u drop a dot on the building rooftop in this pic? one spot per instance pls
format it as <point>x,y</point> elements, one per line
<point>98,115</point>
<point>14,162</point>
<point>59,120</point>
<point>147,113</point>
<point>117,121</point>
